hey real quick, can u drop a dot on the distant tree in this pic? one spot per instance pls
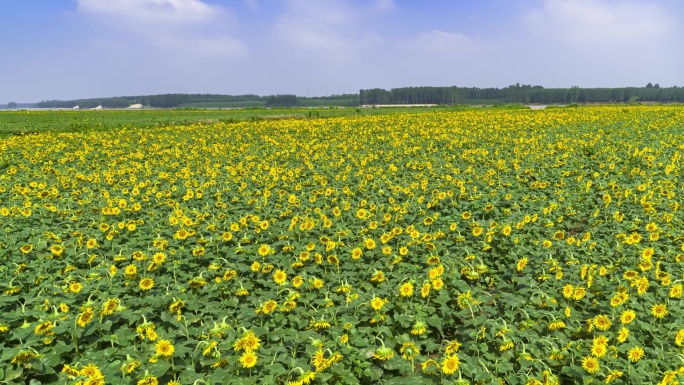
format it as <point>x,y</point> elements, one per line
<point>281,101</point>
<point>12,105</point>
<point>649,85</point>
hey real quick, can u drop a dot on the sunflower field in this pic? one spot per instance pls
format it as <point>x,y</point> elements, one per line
<point>460,247</point>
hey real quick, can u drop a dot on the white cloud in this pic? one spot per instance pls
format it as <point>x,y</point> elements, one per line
<point>439,42</point>
<point>204,46</point>
<point>599,43</point>
<point>165,11</point>
<point>600,21</point>
<point>186,27</point>
<point>322,38</point>
<point>330,29</point>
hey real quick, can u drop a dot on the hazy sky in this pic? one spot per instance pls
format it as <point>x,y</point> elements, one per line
<point>68,49</point>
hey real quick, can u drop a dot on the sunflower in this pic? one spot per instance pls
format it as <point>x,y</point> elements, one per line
<point>248,359</point>
<point>466,215</point>
<point>618,299</point>
<point>590,364</point>
<point>264,250</point>
<point>378,276</point>
<point>198,251</point>
<point>377,303</point>
<point>418,328</point>
<point>679,338</point>
<point>425,289</point>
<point>130,366</point>
<point>408,350</point>
<point>110,306</point>
<point>606,198</point>
<point>91,371</point>
<point>250,342</point>
<point>280,277</point>
<point>651,227</point>
<point>506,345</point>
<point>647,253</point>
<point>357,253</point>
<point>306,378</point>
<point>635,354</point>
<point>623,334</point>
<point>477,231</point>
<point>568,291</point>
<point>437,284</point>
<point>452,347</point>
<point>613,375</point>
<point>627,316</point>
<point>26,248</point>
<point>57,250</point>
<point>642,285</point>
<point>70,371</point>
<point>630,275</point>
<point>91,243</point>
<point>75,287</point>
<point>599,350</point>
<point>43,327</point>
<point>383,354</point>
<point>506,230</point>
<point>146,283</point>
<point>579,293</point>
<point>148,380</point>
<point>317,283</point>
<point>85,317</point>
<point>602,322</point>
<point>297,281</point>
<point>520,265</point>
<point>556,325</point>
<point>176,306</point>
<point>406,290</point>
<point>164,348</point>
<point>659,310</point>
<point>369,243</point>
<point>158,258</point>
<point>450,364</point>
<point>130,271</point>
<point>269,306</point>
<point>600,340</point>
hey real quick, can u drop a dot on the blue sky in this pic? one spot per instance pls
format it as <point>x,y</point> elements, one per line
<point>68,49</point>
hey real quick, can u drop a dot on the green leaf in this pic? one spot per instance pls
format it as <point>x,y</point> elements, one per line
<point>159,368</point>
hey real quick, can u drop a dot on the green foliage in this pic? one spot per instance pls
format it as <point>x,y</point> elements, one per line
<point>465,246</point>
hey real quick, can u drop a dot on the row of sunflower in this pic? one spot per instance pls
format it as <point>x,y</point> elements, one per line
<point>483,246</point>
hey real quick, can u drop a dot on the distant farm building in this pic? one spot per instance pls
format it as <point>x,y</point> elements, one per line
<point>135,106</point>
<point>97,108</point>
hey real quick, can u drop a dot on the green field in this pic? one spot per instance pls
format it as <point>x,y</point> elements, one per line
<point>342,246</point>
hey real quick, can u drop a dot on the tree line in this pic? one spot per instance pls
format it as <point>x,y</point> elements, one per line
<point>522,94</point>
<point>205,100</point>
<point>517,94</point>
